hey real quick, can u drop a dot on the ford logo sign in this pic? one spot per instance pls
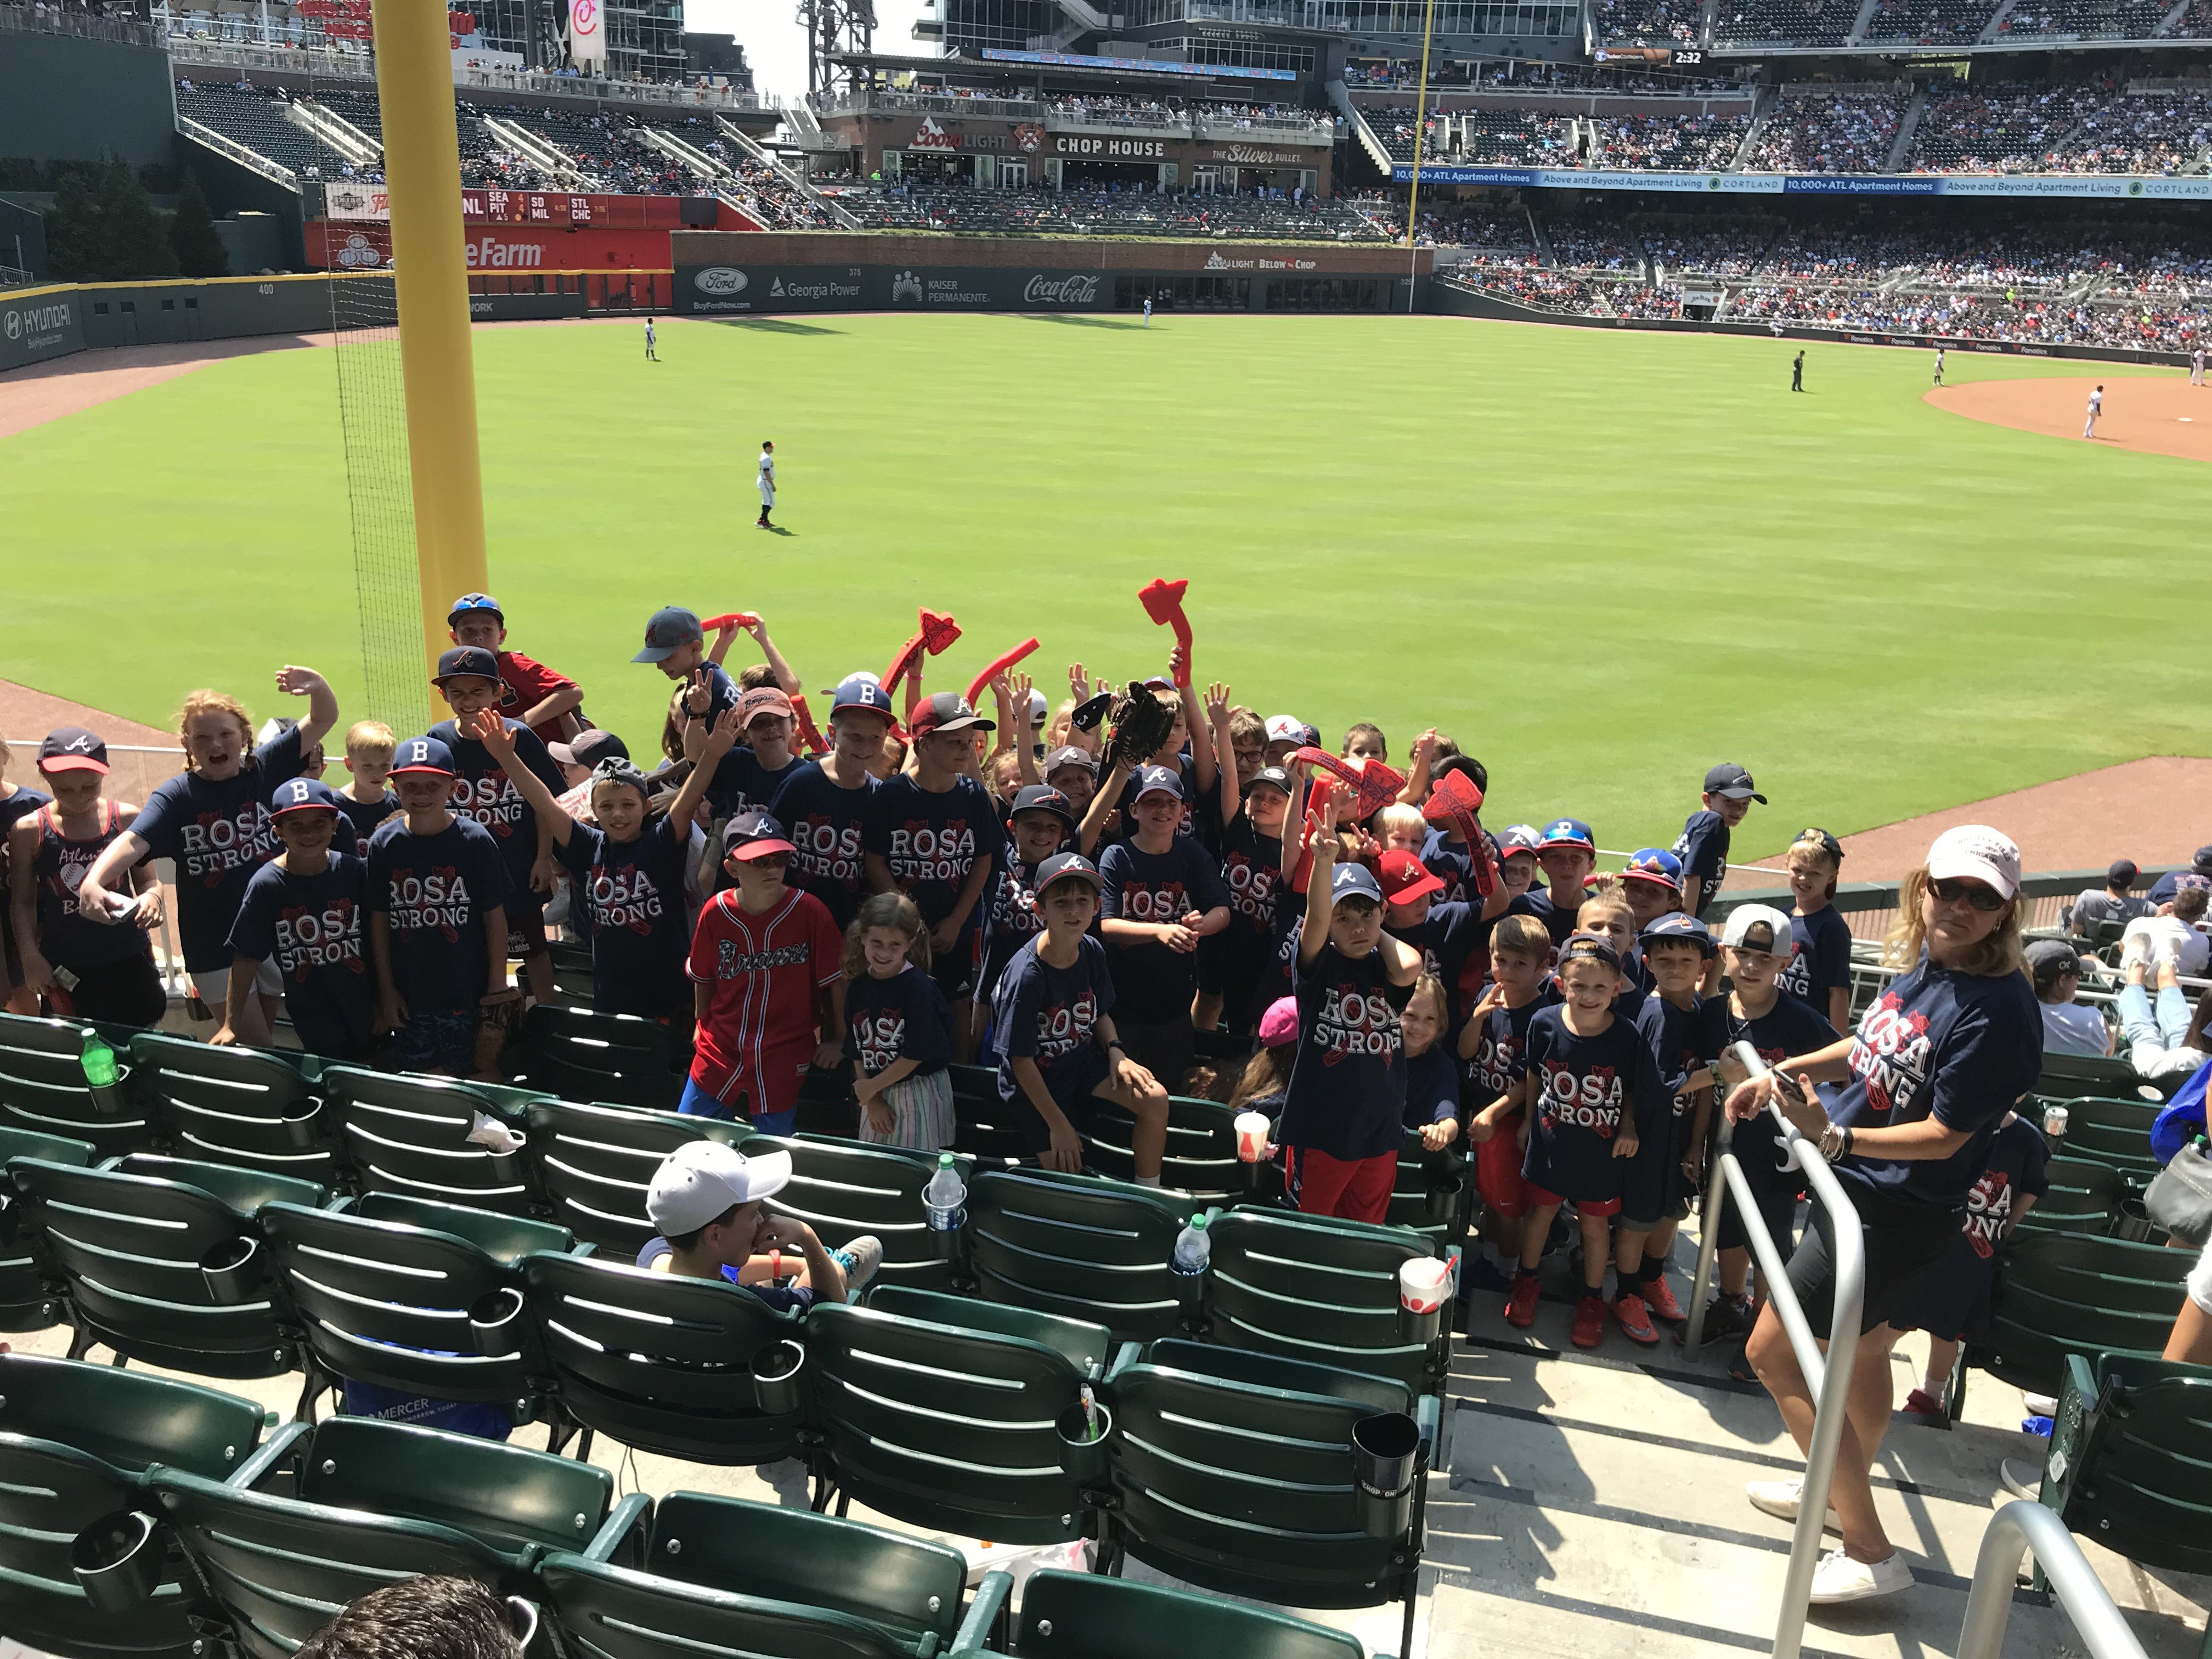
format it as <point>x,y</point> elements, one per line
<point>720,279</point>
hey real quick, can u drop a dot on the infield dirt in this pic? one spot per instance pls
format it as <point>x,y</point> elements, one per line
<point>2151,415</point>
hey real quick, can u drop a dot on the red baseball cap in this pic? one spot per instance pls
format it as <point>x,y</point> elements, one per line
<point>1405,878</point>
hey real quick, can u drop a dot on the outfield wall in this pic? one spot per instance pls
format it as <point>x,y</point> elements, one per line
<point>1457,302</point>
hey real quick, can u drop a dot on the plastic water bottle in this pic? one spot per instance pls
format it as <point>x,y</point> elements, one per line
<point>98,1061</point>
<point>946,1197</point>
<point>1194,1251</point>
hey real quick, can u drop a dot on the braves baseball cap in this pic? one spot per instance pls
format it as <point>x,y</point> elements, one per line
<point>702,1180</point>
<point>1652,865</point>
<point>1758,927</point>
<point>72,748</point>
<point>1043,797</point>
<point>1274,776</point>
<point>1349,881</point>
<point>1405,878</point>
<point>422,754</point>
<point>2121,872</point>
<point>2203,859</point>
<point>1158,683</point>
<point>1730,779</point>
<point>588,749</point>
<point>754,835</point>
<point>1067,867</point>
<point>475,604</point>
<point>1158,781</point>
<point>1517,838</point>
<point>948,711</point>
<point>864,692</point>
<point>463,661</point>
<point>1590,947</point>
<point>1978,853</point>
<point>1826,842</point>
<point>1567,832</point>
<point>763,700</point>
<point>1279,1026</point>
<point>1286,728</point>
<point>671,629</point>
<point>1070,755</point>
<point>1676,925</point>
<point>303,795</point>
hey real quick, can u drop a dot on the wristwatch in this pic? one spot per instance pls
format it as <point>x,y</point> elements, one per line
<point>1114,1044</point>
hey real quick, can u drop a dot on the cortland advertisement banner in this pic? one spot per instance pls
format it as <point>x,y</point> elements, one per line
<point>39,323</point>
<point>1820,184</point>
<point>745,290</point>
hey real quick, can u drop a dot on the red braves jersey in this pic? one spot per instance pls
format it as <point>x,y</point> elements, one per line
<point>525,684</point>
<point>767,973</point>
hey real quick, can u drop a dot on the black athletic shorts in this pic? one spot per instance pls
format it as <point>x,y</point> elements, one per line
<point>1904,1242</point>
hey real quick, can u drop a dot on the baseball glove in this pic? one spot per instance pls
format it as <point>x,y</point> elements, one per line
<point>1136,725</point>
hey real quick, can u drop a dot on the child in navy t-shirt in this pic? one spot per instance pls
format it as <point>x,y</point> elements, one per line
<point>1684,1032</point>
<point>304,910</point>
<point>1163,895</point>
<point>1820,971</point>
<point>898,1028</point>
<point>1702,847</point>
<point>1042,823</point>
<point>1493,1044</point>
<point>823,804</point>
<point>1431,1070</point>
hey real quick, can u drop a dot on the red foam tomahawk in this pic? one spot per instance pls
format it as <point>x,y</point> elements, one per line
<point>936,635</point>
<point>1163,603</point>
<point>730,619</point>
<point>999,666</point>
<point>1452,805</point>
<point>1375,784</point>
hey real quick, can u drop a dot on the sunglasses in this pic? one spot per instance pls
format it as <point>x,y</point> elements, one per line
<point>1957,891</point>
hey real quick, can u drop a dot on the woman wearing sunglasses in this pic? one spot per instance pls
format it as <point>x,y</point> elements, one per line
<point>1952,1044</point>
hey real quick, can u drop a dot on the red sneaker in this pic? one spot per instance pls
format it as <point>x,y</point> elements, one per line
<point>1928,1408</point>
<point>1635,1319</point>
<point>1521,1306</point>
<point>1661,1301</point>
<point>1589,1321</point>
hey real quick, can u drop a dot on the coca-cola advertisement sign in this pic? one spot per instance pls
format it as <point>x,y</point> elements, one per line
<point>1074,289</point>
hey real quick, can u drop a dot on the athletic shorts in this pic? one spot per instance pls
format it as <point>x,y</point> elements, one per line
<point>770,1101</point>
<point>213,984</point>
<point>1676,1212</point>
<point>1904,1243</point>
<point>1953,1298</point>
<point>127,991</point>
<point>1497,1172</point>
<point>1167,1049</point>
<point>1353,1189</point>
<point>1779,1211</point>
<point>526,922</point>
<point>955,971</point>
<point>436,1042</point>
<point>1073,1091</point>
<point>1539,1198</point>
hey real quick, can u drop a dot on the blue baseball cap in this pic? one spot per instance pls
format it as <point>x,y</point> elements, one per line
<point>1593,947</point>
<point>476,604</point>
<point>864,692</point>
<point>1730,779</point>
<point>1651,863</point>
<point>303,795</point>
<point>1568,832</point>
<point>1517,838</point>
<point>463,661</point>
<point>1067,867</point>
<point>1156,779</point>
<point>1347,881</point>
<point>671,629</point>
<point>1676,925</point>
<point>423,755</point>
<point>1043,797</point>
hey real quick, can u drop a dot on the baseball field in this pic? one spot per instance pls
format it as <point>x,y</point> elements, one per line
<point>1601,561</point>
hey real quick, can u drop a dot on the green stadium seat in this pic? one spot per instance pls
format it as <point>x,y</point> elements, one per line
<point>985,1128</point>
<point>967,1441</point>
<point>1201,1158</point>
<point>131,1243</point>
<point>74,1440</point>
<point>725,1576</point>
<point>505,1238</point>
<point>1080,1616</point>
<point>574,1054</point>
<point>42,1087</point>
<point>1234,1473</point>
<point>1320,1290</point>
<point>1079,1246</point>
<point>1433,1193</point>
<point>593,1164</point>
<point>28,1301</point>
<point>2099,1074</point>
<point>843,1189</point>
<point>662,1364</point>
<point>2085,1197</point>
<point>236,1106</point>
<point>2064,1293</point>
<point>378,1502</point>
<point>571,971</point>
<point>405,1133</point>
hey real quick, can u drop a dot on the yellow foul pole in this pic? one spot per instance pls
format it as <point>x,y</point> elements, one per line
<point>1420,131</point>
<point>422,176</point>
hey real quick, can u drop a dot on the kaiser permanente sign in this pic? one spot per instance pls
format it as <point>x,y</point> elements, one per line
<point>1820,184</point>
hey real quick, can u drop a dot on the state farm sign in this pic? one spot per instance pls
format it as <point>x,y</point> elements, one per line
<point>496,254</point>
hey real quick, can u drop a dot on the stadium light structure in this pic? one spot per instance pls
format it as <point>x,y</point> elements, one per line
<point>423,182</point>
<point>1420,130</point>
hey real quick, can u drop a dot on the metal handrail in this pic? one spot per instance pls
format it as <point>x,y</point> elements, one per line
<point>2022,1528</point>
<point>230,147</point>
<point>1821,1372</point>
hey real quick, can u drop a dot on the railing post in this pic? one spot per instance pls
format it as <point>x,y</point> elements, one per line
<point>2021,1528</point>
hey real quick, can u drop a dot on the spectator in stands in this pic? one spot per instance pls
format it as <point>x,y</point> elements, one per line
<point>710,1203</point>
<point>1908,1164</point>
<point>2174,933</point>
<point>2068,1027</point>
<point>365,799</point>
<point>2170,1041</point>
<point>2162,889</point>
<point>304,910</point>
<point>530,692</point>
<point>426,1618</point>
<point>2115,901</point>
<point>17,802</point>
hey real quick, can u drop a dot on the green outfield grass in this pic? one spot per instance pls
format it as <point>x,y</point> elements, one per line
<point>1601,561</point>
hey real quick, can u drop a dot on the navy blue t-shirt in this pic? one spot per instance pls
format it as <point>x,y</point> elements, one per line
<point>1450,862</point>
<point>1347,1091</point>
<point>780,1298</point>
<point>1703,846</point>
<point>1010,917</point>
<point>741,779</point>
<point>1961,1048</point>
<point>2016,1164</point>
<point>366,815</point>
<point>485,793</point>
<point>1558,920</point>
<point>1431,1087</point>
<point>825,821</point>
<point>1791,1026</point>
<point>931,841</point>
<point>1154,983</point>
<point>1501,1051</point>
<point>218,834</point>
<point>630,893</point>
<point>1251,871</point>
<point>1823,959</point>
<point>1585,1089</point>
<point>1050,1015</point>
<point>1681,1039</point>
<point>905,1017</point>
<point>433,892</point>
<point>313,927</point>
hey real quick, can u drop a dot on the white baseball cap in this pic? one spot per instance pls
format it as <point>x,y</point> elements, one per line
<point>1978,853</point>
<point>1286,728</point>
<point>1745,919</point>
<point>1038,707</point>
<point>702,1179</point>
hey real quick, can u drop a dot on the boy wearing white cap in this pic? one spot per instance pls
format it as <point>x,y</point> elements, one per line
<point>709,1202</point>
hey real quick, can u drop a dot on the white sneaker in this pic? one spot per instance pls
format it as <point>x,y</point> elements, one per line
<point>2040,1404</point>
<point>2022,1478</point>
<point>1781,1498</point>
<point>859,1259</point>
<point>2135,945</point>
<point>1840,1578</point>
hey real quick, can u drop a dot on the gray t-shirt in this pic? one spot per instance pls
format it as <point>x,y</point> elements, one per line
<point>2075,1028</point>
<point>2096,905</point>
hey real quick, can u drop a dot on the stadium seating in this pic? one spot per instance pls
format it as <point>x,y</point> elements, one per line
<point>1793,22</point>
<point>1647,22</point>
<point>1694,143</point>
<point>27,1301</point>
<point>2083,1197</point>
<point>256,118</point>
<point>844,1188</point>
<point>1074,1615</point>
<point>1929,22</point>
<point>1079,1246</point>
<point>246,1106</point>
<point>1997,128</point>
<point>1829,132</point>
<point>1121,213</point>
<point>2064,1293</point>
<point>42,1087</point>
<point>574,1054</point>
<point>593,1164</point>
<point>2045,20</point>
<point>410,1134</point>
<point>2131,1438</point>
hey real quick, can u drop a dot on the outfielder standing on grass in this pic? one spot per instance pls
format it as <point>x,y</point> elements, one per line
<point>651,355</point>
<point>766,483</point>
<point>2096,407</point>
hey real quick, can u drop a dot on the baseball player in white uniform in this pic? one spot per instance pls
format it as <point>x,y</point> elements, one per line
<point>1939,364</point>
<point>651,355</point>
<point>2197,366</point>
<point>2096,407</point>
<point>766,483</point>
